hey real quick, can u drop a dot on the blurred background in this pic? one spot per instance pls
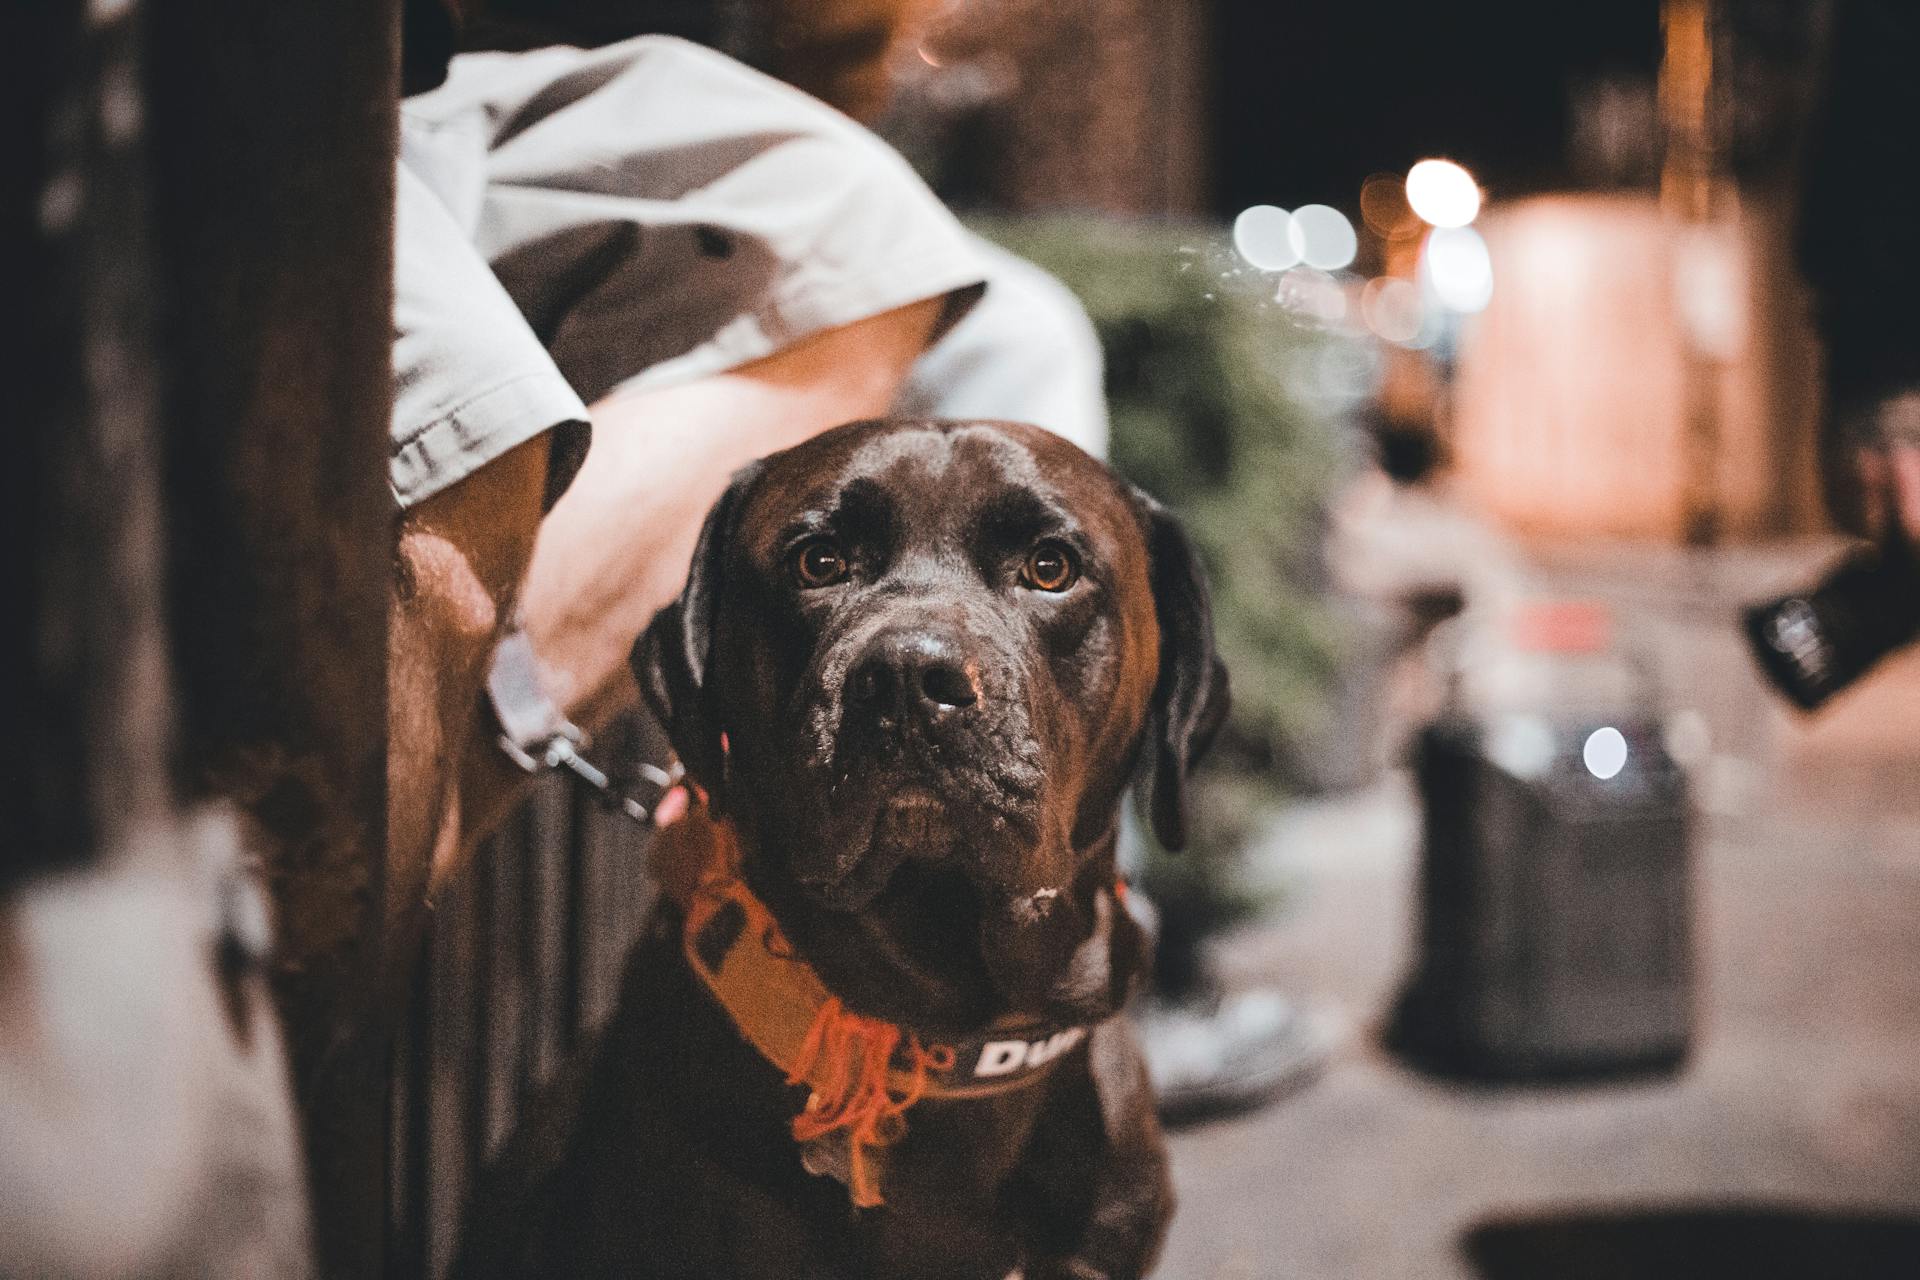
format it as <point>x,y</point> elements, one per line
<point>1468,339</point>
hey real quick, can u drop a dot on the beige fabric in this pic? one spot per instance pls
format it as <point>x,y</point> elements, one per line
<point>656,213</point>
<point>1028,352</point>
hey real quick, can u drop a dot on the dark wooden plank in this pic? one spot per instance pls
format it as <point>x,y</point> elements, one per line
<point>601,921</point>
<point>549,901</point>
<point>503,998</point>
<point>454,1051</point>
<point>578,940</point>
<point>273,134</point>
<point>474,984</point>
<point>526,955</point>
<point>409,1192</point>
<point>83,659</point>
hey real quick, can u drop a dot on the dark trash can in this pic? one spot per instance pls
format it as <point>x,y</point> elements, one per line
<point>1554,937</point>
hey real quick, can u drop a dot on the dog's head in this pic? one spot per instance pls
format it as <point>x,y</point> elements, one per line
<point>918,664</point>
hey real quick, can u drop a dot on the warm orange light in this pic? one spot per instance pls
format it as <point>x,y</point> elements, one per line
<point>1383,206</point>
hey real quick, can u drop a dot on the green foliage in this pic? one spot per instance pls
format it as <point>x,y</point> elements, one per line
<point>1205,378</point>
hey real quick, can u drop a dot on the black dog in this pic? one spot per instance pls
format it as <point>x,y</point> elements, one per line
<point>874,1029</point>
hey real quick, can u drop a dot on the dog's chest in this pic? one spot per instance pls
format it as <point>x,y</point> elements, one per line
<point>966,1147</point>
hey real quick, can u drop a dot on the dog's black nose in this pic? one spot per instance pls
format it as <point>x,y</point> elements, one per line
<point>908,672</point>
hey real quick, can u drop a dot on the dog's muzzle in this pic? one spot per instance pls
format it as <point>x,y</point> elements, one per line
<point>927,755</point>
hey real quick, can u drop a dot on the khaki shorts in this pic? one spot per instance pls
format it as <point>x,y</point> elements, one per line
<point>574,224</point>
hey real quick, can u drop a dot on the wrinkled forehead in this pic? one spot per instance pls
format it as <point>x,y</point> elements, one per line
<point>942,479</point>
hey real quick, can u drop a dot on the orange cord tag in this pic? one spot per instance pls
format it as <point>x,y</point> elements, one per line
<point>847,1059</point>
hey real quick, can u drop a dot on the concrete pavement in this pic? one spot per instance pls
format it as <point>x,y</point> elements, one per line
<point>1804,1089</point>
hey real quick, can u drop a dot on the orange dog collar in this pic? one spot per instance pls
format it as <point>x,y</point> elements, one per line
<point>862,1074</point>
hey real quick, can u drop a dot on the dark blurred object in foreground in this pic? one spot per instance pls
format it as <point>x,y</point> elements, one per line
<point>1859,203</point>
<point>1814,643</point>
<point>1555,917</point>
<point>1701,1244</point>
<point>1860,195</point>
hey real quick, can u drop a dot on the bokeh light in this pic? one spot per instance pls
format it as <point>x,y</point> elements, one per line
<point>1458,268</point>
<point>1264,236</point>
<point>1323,237</point>
<point>1443,193</point>
<point>1392,309</point>
<point>1384,208</point>
<point>1522,744</point>
<point>1313,294</point>
<point>1688,738</point>
<point>1605,752</point>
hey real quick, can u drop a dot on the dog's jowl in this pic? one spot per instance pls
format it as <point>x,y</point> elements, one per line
<point>874,1027</point>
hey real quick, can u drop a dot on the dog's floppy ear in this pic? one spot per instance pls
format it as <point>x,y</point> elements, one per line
<point>672,656</point>
<point>1190,699</point>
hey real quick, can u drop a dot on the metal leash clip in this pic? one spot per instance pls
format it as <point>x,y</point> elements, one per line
<point>536,735</point>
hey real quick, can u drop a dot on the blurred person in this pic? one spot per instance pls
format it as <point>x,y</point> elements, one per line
<point>1860,204</point>
<point>1405,557</point>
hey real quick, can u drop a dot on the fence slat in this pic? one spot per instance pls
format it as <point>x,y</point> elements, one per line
<point>524,962</point>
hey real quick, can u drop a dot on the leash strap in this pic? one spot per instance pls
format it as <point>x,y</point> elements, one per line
<point>535,734</point>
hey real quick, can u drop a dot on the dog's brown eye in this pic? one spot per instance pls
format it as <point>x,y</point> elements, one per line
<point>819,563</point>
<point>1049,567</point>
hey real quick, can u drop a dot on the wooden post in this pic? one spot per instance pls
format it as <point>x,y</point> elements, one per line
<point>1694,196</point>
<point>83,664</point>
<point>1129,73</point>
<point>144,1107</point>
<point>272,143</point>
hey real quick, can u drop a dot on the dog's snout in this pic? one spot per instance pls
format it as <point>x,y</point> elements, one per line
<point>913,672</point>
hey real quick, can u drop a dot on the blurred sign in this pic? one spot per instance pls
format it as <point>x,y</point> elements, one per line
<point>1575,387</point>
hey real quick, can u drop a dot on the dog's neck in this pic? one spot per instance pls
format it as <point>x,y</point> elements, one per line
<point>887,968</point>
<point>864,1071</point>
